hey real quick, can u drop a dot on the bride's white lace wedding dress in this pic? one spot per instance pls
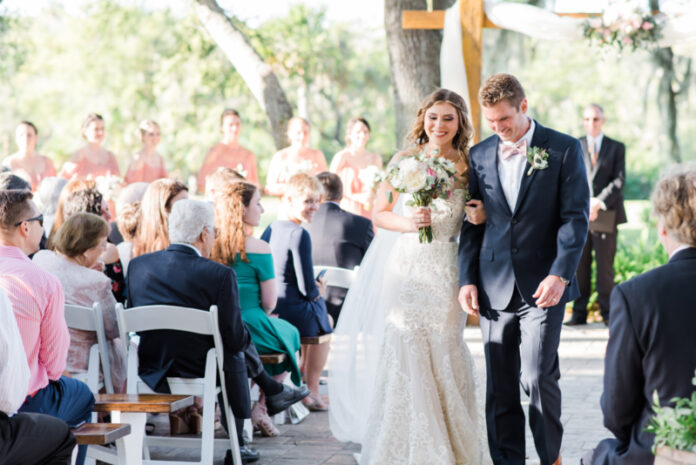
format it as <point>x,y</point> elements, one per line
<point>423,406</point>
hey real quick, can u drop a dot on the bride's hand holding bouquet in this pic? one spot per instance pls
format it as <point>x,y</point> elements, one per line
<point>425,177</point>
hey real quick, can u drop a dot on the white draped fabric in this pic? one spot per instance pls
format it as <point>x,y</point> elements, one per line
<point>679,26</point>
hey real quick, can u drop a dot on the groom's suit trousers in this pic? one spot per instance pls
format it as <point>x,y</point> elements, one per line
<point>536,332</point>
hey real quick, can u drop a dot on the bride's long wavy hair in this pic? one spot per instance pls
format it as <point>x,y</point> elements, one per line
<point>465,131</point>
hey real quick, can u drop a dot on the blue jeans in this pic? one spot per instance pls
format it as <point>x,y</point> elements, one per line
<point>67,399</point>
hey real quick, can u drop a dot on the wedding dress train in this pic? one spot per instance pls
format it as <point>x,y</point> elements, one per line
<point>423,407</point>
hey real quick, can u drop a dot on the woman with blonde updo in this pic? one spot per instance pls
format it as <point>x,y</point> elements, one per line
<point>297,158</point>
<point>352,164</point>
<point>237,211</point>
<point>147,165</point>
<point>92,160</point>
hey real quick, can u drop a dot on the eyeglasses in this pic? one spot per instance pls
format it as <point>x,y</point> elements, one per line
<point>36,218</point>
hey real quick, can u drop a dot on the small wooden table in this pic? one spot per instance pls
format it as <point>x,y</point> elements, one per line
<point>133,409</point>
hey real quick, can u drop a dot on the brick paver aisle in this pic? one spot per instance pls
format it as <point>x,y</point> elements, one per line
<point>582,364</point>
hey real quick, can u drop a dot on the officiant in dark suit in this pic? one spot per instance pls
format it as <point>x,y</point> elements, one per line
<point>520,265</point>
<point>339,238</point>
<point>605,162</point>
<point>651,332</point>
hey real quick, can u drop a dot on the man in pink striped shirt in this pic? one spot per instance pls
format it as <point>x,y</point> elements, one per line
<point>37,300</point>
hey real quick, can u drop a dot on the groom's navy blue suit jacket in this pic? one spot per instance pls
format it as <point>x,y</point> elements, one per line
<point>545,232</point>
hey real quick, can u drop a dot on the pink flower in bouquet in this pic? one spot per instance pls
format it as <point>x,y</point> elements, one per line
<point>636,21</point>
<point>596,23</point>
<point>627,41</point>
<point>606,35</point>
<point>647,25</point>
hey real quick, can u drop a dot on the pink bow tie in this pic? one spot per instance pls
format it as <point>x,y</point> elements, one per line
<point>509,150</point>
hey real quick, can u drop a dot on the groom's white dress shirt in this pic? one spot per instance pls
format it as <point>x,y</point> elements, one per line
<point>511,170</point>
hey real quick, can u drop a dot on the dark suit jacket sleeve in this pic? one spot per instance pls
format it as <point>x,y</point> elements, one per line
<point>574,198</point>
<point>622,400</point>
<point>611,193</point>
<point>369,235</point>
<point>470,237</point>
<point>235,336</point>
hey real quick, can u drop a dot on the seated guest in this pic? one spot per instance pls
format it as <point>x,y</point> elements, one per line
<point>37,301</point>
<point>297,158</point>
<point>229,152</point>
<point>9,181</point>
<point>155,206</point>
<point>90,200</point>
<point>26,162</point>
<point>219,179</point>
<point>131,193</point>
<point>147,165</point>
<point>76,262</point>
<point>92,160</point>
<point>47,195</point>
<point>339,238</point>
<point>299,298</point>
<point>182,275</point>
<point>127,220</point>
<point>651,345</point>
<point>18,433</point>
<point>237,211</point>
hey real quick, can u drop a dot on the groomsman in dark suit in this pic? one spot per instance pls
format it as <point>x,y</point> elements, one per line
<point>520,266</point>
<point>605,162</point>
<point>339,238</point>
<point>651,331</point>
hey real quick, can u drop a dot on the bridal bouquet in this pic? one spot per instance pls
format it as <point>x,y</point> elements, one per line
<point>425,177</point>
<point>109,186</point>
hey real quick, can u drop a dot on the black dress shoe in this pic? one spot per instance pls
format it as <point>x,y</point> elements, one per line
<point>572,322</point>
<point>248,454</point>
<point>285,398</point>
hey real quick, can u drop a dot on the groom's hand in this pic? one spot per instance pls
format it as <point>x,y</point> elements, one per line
<point>468,299</point>
<point>549,292</point>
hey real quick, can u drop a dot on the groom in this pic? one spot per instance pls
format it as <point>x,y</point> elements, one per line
<point>518,269</point>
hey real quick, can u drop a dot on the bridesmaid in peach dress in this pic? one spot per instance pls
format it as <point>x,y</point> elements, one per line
<point>298,158</point>
<point>229,153</point>
<point>358,194</point>
<point>147,165</point>
<point>92,160</point>
<point>26,163</point>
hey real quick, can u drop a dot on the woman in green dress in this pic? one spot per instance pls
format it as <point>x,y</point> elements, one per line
<point>237,210</point>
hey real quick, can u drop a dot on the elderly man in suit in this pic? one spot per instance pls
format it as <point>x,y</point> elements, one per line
<point>520,266</point>
<point>651,344</point>
<point>605,162</point>
<point>339,238</point>
<point>182,275</point>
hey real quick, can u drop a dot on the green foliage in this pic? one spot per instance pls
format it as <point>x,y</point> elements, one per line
<point>674,427</point>
<point>129,62</point>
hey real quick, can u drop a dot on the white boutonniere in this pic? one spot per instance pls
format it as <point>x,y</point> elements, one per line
<point>538,158</point>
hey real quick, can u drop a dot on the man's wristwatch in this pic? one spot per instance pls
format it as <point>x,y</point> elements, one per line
<point>564,281</point>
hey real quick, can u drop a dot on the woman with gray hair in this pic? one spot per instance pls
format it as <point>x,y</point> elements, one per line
<point>47,196</point>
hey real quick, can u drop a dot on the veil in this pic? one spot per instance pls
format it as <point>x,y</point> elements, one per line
<point>357,341</point>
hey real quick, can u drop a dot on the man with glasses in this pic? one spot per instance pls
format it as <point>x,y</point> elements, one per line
<point>605,162</point>
<point>37,301</point>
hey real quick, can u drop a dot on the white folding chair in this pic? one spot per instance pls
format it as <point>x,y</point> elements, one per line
<point>336,276</point>
<point>154,317</point>
<point>90,319</point>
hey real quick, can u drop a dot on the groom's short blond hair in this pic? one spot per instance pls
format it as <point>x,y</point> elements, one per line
<point>674,203</point>
<point>501,87</point>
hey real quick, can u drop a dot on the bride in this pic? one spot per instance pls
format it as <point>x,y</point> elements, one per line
<point>401,376</point>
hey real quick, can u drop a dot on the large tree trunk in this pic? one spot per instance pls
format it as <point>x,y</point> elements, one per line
<point>257,74</point>
<point>415,61</point>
